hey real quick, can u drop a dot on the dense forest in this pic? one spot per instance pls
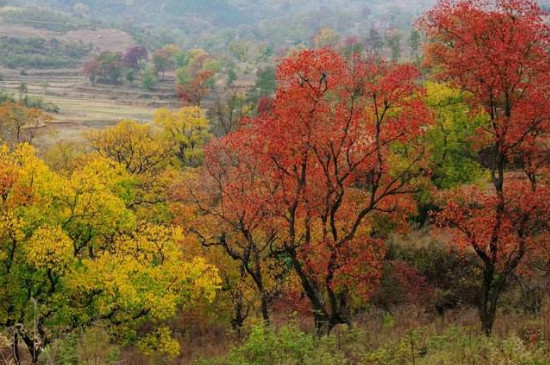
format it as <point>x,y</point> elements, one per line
<point>274,182</point>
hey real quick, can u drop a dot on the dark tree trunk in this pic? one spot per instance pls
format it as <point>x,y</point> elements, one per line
<point>265,307</point>
<point>257,275</point>
<point>323,325</point>
<point>15,349</point>
<point>239,315</point>
<point>34,350</point>
<point>491,289</point>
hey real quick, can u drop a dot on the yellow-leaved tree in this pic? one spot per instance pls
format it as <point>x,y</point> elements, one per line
<point>73,252</point>
<point>141,150</point>
<point>185,130</point>
<point>18,123</point>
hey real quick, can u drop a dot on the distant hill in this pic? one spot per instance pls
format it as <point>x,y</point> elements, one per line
<point>217,12</point>
<point>213,24</point>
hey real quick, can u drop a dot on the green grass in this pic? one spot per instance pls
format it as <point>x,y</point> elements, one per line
<point>455,346</point>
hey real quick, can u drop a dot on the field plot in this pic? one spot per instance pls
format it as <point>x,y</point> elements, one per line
<point>101,39</point>
<point>82,106</point>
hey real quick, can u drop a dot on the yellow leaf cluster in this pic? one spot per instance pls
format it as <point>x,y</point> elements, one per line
<point>50,248</point>
<point>186,131</point>
<point>136,146</point>
<point>160,342</point>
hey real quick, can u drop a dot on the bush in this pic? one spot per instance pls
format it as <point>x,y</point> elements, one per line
<point>6,97</point>
<point>35,102</point>
<point>149,78</point>
<point>30,102</point>
<point>456,346</point>
<point>92,346</point>
<point>452,276</point>
<point>287,346</point>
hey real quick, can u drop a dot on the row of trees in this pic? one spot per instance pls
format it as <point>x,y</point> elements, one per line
<point>309,189</point>
<point>374,42</point>
<point>112,66</point>
<point>195,69</point>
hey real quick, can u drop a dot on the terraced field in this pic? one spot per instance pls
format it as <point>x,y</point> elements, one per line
<point>83,106</point>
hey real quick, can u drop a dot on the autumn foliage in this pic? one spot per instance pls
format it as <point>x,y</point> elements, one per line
<point>195,79</point>
<point>73,252</point>
<point>498,52</point>
<point>316,195</point>
<point>314,177</point>
<point>18,123</point>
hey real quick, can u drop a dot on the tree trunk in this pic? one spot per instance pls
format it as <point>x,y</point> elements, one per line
<point>546,317</point>
<point>239,316</point>
<point>257,276</point>
<point>240,313</point>
<point>490,293</point>
<point>34,350</point>
<point>265,307</point>
<point>15,349</point>
<point>323,325</point>
<point>487,316</point>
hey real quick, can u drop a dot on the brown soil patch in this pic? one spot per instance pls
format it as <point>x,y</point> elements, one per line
<point>102,39</point>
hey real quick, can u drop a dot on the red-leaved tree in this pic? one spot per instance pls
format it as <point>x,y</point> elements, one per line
<point>337,157</point>
<point>91,69</point>
<point>135,57</point>
<point>234,202</point>
<point>196,87</point>
<point>498,51</point>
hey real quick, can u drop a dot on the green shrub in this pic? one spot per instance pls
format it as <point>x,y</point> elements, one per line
<point>6,97</point>
<point>149,78</point>
<point>39,103</point>
<point>40,53</point>
<point>287,346</point>
<point>90,347</point>
<point>458,346</point>
<point>30,102</point>
<point>291,346</point>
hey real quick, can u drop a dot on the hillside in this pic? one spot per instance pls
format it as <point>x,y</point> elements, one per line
<point>257,19</point>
